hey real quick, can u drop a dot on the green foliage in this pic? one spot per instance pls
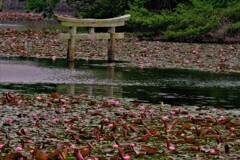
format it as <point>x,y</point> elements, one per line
<point>44,6</point>
<point>163,4</point>
<point>81,6</point>
<point>188,21</point>
<point>143,20</point>
<point>191,22</point>
<point>232,12</point>
<point>232,29</point>
<point>220,3</point>
<point>100,8</point>
<point>106,8</point>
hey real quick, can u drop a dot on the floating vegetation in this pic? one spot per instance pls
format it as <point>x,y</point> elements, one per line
<point>83,127</point>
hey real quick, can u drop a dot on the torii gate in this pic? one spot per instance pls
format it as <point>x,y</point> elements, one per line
<point>72,36</point>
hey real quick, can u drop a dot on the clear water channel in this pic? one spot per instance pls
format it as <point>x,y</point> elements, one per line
<point>172,86</point>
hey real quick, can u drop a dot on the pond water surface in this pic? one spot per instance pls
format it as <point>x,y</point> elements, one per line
<point>173,86</point>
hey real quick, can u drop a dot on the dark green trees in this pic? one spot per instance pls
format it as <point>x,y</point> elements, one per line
<point>44,6</point>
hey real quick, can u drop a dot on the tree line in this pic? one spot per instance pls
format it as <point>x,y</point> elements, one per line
<point>170,20</point>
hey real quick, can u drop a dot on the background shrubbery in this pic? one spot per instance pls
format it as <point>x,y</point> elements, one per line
<point>169,20</point>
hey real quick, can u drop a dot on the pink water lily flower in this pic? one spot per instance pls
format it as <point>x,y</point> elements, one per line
<point>142,108</point>
<point>106,120</point>
<point>121,109</point>
<point>117,103</point>
<point>1,145</point>
<point>110,125</point>
<point>66,120</point>
<point>73,146</point>
<point>171,148</point>
<point>19,102</point>
<point>18,149</point>
<point>115,146</point>
<point>126,157</point>
<point>39,98</point>
<point>63,101</point>
<point>30,141</point>
<point>54,58</point>
<point>212,151</point>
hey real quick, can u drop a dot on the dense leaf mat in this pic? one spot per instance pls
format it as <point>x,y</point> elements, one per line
<point>84,127</point>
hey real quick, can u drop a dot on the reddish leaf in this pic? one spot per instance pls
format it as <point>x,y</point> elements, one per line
<point>133,128</point>
<point>83,95</point>
<point>147,132</point>
<point>77,139</point>
<point>166,125</point>
<point>125,127</point>
<point>12,156</point>
<point>153,132</point>
<point>190,140</point>
<point>106,104</point>
<point>51,135</point>
<point>135,104</point>
<point>40,155</point>
<point>54,154</point>
<point>10,97</point>
<point>121,152</point>
<point>170,145</point>
<point>64,153</point>
<point>85,152</point>
<point>227,134</point>
<point>55,95</point>
<point>224,121</point>
<point>174,122</point>
<point>195,148</point>
<point>210,131</point>
<point>124,133</point>
<point>187,126</point>
<point>115,158</point>
<point>90,145</point>
<point>144,138</point>
<point>151,151</point>
<point>92,103</point>
<point>78,154</point>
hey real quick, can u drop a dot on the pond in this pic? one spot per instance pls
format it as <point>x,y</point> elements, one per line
<point>172,86</point>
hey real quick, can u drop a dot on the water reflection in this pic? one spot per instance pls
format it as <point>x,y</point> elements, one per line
<point>178,87</point>
<point>70,88</point>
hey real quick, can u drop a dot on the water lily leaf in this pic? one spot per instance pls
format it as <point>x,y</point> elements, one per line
<point>151,151</point>
<point>52,135</point>
<point>133,128</point>
<point>83,95</point>
<point>78,154</point>
<point>195,148</point>
<point>85,152</point>
<point>40,155</point>
<point>55,95</point>
<point>106,104</point>
<point>224,121</point>
<point>153,132</point>
<point>227,149</point>
<point>174,122</point>
<point>65,153</point>
<point>92,103</point>
<point>135,104</point>
<point>121,153</point>
<point>144,138</point>
<point>54,154</point>
<point>115,158</point>
<point>12,155</point>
